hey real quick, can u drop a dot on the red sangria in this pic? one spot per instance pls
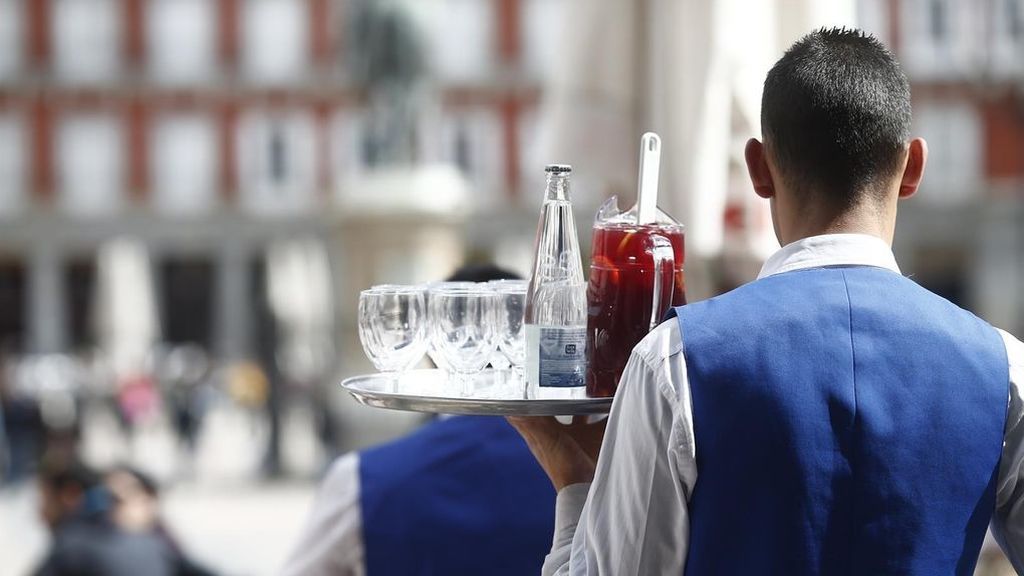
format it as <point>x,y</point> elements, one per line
<point>636,275</point>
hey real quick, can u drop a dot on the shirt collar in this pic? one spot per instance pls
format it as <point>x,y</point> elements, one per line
<point>831,250</point>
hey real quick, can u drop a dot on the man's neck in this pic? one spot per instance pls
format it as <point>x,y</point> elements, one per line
<point>860,220</point>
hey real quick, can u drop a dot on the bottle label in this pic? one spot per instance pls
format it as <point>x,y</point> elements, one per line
<point>556,355</point>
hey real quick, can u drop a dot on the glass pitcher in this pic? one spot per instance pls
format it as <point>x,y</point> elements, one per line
<point>636,274</point>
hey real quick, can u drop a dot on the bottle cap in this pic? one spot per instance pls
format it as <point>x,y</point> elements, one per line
<point>558,168</point>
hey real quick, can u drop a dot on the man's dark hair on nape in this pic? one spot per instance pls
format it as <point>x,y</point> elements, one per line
<point>835,114</point>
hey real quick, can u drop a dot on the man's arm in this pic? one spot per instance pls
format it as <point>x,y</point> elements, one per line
<point>1008,520</point>
<point>332,541</point>
<point>635,517</point>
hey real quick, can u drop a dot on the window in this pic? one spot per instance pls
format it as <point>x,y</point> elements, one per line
<point>13,304</point>
<point>275,47</point>
<point>873,17</point>
<point>86,40</point>
<point>531,163</point>
<point>181,36</point>
<point>11,39</point>
<point>543,22</point>
<point>953,133</point>
<point>13,163</point>
<point>347,148</point>
<point>187,286</point>
<point>459,35</point>
<point>1014,17</point>
<point>1007,40</point>
<point>90,164</point>
<point>943,39</point>
<point>79,286</point>
<point>277,161</point>
<point>184,162</point>
<point>937,20</point>
<point>471,140</point>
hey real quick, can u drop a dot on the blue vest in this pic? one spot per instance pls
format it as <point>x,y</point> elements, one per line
<point>459,496</point>
<point>847,421</point>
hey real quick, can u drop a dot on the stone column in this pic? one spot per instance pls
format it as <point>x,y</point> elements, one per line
<point>232,304</point>
<point>46,320</point>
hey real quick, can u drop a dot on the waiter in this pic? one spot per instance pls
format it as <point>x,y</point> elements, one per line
<point>461,495</point>
<point>832,417</point>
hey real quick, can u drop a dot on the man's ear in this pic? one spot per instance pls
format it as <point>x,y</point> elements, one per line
<point>917,157</point>
<point>757,169</point>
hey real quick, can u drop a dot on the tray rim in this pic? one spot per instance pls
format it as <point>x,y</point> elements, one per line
<point>473,406</point>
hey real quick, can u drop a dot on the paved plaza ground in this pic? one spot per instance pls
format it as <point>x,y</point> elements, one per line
<point>215,503</point>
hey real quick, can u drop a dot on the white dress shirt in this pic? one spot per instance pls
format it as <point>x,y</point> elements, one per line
<point>633,518</point>
<point>332,541</point>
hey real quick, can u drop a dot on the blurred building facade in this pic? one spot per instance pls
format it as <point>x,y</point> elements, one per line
<point>208,131</point>
<point>962,234</point>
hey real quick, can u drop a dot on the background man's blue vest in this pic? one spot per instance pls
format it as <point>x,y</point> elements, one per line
<point>459,496</point>
<point>846,421</point>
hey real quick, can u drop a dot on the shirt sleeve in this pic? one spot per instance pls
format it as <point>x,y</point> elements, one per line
<point>332,540</point>
<point>1008,520</point>
<point>634,519</point>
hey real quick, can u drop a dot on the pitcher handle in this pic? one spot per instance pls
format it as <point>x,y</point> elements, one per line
<point>664,279</point>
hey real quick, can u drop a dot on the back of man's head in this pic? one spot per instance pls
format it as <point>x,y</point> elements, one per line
<point>481,273</point>
<point>835,115</point>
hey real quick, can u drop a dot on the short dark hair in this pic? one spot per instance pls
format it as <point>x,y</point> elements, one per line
<point>481,273</point>
<point>60,474</point>
<point>835,114</point>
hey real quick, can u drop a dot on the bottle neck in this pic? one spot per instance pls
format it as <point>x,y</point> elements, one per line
<point>557,187</point>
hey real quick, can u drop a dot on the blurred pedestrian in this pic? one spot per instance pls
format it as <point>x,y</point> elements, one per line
<point>75,506</point>
<point>185,379</point>
<point>135,508</point>
<point>4,450</point>
<point>461,495</point>
<point>101,526</point>
<point>67,492</point>
<point>25,431</point>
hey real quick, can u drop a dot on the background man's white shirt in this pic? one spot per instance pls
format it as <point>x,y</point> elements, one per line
<point>332,541</point>
<point>633,518</point>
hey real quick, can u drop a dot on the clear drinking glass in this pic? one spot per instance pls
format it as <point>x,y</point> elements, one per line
<point>511,303</point>
<point>432,352</point>
<point>392,326</point>
<point>463,328</point>
<point>499,361</point>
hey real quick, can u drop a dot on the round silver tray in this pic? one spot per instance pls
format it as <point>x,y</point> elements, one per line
<point>490,392</point>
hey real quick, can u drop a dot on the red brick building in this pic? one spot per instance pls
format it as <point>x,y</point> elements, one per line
<point>962,235</point>
<point>209,128</point>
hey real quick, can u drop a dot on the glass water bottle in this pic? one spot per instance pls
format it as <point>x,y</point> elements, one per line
<point>556,300</point>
